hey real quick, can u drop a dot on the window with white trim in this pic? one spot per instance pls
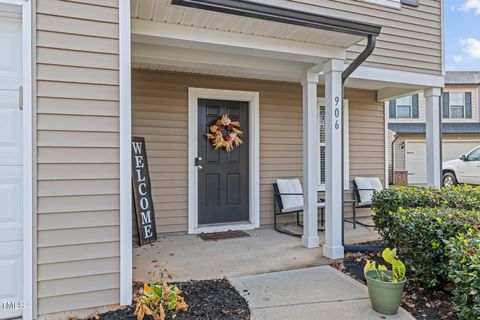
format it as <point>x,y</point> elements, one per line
<point>457,105</point>
<point>404,107</point>
<point>322,146</point>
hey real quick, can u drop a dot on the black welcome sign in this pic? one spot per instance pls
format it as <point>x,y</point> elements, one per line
<point>145,213</point>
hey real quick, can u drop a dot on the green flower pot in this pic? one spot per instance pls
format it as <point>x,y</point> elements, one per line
<point>386,297</point>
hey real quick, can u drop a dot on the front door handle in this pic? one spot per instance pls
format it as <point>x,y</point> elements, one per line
<point>197,163</point>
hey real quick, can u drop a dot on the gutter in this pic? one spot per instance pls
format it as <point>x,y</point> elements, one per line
<point>393,158</point>
<point>278,14</point>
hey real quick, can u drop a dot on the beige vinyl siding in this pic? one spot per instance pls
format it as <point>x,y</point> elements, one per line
<point>367,139</point>
<point>77,154</point>
<point>473,89</point>
<point>411,38</point>
<point>160,114</point>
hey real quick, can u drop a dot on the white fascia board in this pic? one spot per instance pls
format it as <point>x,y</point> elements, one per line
<point>398,77</point>
<point>229,42</point>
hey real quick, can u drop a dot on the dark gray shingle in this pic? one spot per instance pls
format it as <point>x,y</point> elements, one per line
<point>462,77</point>
<point>459,128</point>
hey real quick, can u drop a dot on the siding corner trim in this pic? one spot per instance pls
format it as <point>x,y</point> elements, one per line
<point>125,154</point>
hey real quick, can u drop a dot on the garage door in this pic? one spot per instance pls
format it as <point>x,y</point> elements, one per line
<point>416,158</point>
<point>11,161</point>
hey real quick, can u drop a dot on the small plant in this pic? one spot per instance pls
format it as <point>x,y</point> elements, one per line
<point>398,268</point>
<point>385,287</point>
<point>157,300</point>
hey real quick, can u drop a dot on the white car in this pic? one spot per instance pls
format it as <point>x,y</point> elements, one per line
<point>463,170</point>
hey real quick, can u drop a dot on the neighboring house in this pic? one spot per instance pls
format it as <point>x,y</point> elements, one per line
<point>78,78</point>
<point>461,125</point>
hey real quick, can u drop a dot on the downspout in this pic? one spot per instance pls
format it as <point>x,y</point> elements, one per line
<point>372,40</point>
<point>393,158</point>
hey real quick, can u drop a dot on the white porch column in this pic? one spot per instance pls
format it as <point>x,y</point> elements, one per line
<point>310,160</point>
<point>333,247</point>
<point>434,137</point>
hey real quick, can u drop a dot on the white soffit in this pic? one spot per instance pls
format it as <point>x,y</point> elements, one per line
<point>163,11</point>
<point>166,58</point>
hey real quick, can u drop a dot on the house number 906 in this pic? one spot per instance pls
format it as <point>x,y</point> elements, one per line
<point>337,113</point>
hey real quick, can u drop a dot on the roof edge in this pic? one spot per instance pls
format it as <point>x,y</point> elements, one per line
<point>447,127</point>
<point>283,15</point>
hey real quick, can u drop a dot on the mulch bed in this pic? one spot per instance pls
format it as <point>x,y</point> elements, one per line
<point>421,302</point>
<point>206,299</point>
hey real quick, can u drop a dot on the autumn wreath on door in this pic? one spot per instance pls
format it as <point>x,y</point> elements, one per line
<point>225,133</point>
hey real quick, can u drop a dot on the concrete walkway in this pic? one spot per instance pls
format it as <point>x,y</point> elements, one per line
<point>312,293</point>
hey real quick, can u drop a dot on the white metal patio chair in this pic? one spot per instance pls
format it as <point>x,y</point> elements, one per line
<point>288,199</point>
<point>363,188</point>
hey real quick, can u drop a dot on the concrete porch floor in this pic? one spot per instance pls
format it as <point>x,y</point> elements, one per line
<point>189,257</point>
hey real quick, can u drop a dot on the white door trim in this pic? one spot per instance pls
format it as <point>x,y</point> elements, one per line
<point>126,267</point>
<point>27,149</point>
<point>254,157</point>
<point>28,231</point>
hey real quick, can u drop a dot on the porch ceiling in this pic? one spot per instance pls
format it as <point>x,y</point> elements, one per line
<point>163,11</point>
<point>200,61</point>
<point>228,45</point>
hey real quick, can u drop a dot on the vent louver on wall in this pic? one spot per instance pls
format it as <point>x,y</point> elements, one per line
<point>414,3</point>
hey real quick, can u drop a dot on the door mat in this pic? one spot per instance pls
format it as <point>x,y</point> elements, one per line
<point>223,235</point>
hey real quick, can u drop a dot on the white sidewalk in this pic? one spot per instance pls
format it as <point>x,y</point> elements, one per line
<point>312,293</point>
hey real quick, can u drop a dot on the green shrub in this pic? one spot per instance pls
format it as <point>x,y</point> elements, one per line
<point>464,254</point>
<point>459,197</point>
<point>423,237</point>
<point>389,200</point>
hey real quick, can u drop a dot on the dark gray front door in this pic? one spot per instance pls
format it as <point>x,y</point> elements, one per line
<point>223,182</point>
